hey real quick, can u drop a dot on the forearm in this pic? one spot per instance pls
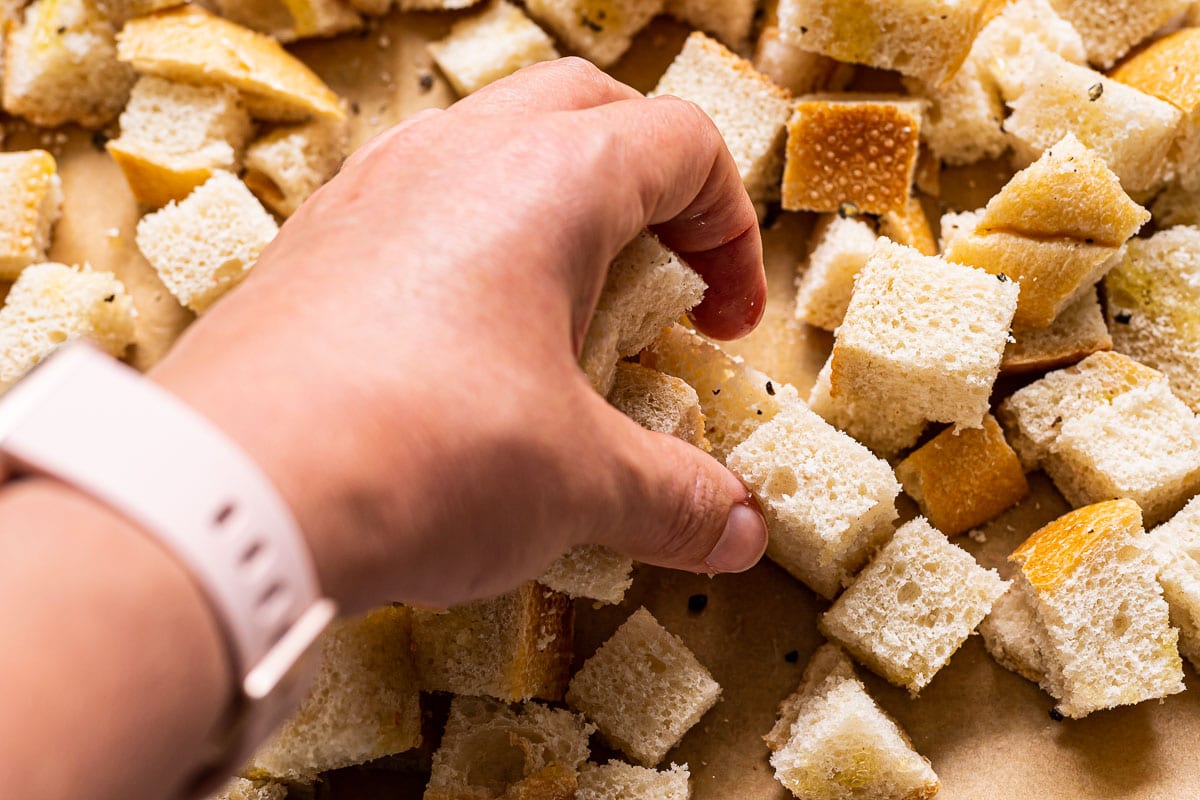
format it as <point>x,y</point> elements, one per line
<point>113,670</point>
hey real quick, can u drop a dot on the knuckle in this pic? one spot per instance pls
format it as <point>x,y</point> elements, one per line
<point>690,521</point>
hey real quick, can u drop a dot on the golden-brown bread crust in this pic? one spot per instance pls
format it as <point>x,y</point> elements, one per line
<point>154,184</point>
<point>1066,341</point>
<point>555,782</point>
<point>910,227</point>
<point>1169,69</point>
<point>1051,554</point>
<point>542,667</point>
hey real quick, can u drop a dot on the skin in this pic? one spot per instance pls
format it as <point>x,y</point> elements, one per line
<point>411,338</point>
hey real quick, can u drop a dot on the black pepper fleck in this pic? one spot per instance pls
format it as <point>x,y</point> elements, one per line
<point>697,603</point>
<point>1095,91</point>
<point>1123,317</point>
<point>791,656</point>
<point>1002,278</point>
<point>591,24</point>
<point>62,29</point>
<point>716,392</point>
<point>110,298</point>
<point>803,30</point>
<point>99,140</point>
<point>770,388</point>
<point>1056,715</point>
<point>759,412</point>
<point>426,81</point>
<point>847,210</point>
<point>355,108</point>
<point>1089,240</point>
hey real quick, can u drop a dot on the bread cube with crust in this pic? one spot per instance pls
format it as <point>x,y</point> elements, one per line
<point>289,20</point>
<point>730,21</point>
<point>286,166</point>
<point>1077,332</point>
<point>1110,29</point>
<point>910,227</point>
<point>827,665</point>
<point>618,781</point>
<point>883,430</point>
<point>490,45</point>
<point>963,124</point>
<point>1010,634</point>
<point>799,71</point>
<point>590,571</point>
<point>599,30</point>
<point>839,249</point>
<point>1007,45</point>
<point>1176,548</point>
<point>659,402</point>
<point>30,205</point>
<point>242,789</point>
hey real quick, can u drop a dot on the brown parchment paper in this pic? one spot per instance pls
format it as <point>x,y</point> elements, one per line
<point>986,730</point>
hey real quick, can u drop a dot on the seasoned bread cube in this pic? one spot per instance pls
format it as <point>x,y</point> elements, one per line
<point>191,45</point>
<point>599,31</point>
<point>851,149</point>
<point>748,109</point>
<point>1111,28</point>
<point>514,647</point>
<point>828,501</point>
<point>289,20</point>
<point>962,478</point>
<point>174,136</point>
<point>1176,545</point>
<point>913,606</point>
<point>644,689</point>
<point>955,225</point>
<point>30,205</point>
<point>205,245</point>
<point>923,337</point>
<point>909,227</point>
<point>659,402</point>
<point>963,124</point>
<point>648,287</point>
<point>489,46</point>
<point>491,751</point>
<point>363,704</point>
<point>1102,622</point>
<point>1007,44</point>
<point>60,66</point>
<point>839,249</point>
<point>618,781</point>
<point>827,661</point>
<point>1077,332</point>
<point>242,789</point>
<point>1153,297</point>
<point>729,21</point>
<point>882,430</point>
<point>789,67</point>
<point>286,166</point>
<point>590,571</point>
<point>1011,636</point>
<point>51,304</point>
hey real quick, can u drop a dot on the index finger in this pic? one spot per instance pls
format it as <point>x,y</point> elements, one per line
<point>568,84</point>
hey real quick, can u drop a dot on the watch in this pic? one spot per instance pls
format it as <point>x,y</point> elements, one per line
<point>88,421</point>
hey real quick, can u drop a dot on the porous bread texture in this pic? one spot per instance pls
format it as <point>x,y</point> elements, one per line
<point>1102,622</point>
<point>207,244</point>
<point>839,248</point>
<point>960,479</point>
<point>51,304</point>
<point>600,30</point>
<point>1011,636</point>
<point>913,606</point>
<point>735,398</point>
<point>491,751</point>
<point>490,45</point>
<point>289,20</point>
<point>174,136</point>
<point>1130,130</point>
<point>1007,44</point>
<point>1078,331</point>
<point>881,429</point>
<point>789,67</point>
<point>1153,294</point>
<point>590,571</point>
<point>644,689</point>
<point>909,227</point>
<point>962,123</point>
<point>1110,28</point>
<point>619,781</point>
<point>730,21</point>
<point>955,224</point>
<point>648,288</point>
<point>926,39</point>
<point>364,702</point>
<point>1177,551</point>
<point>242,789</point>
<point>30,205</point>
<point>285,167</point>
<point>514,647</point>
<point>851,149</point>
<point>659,402</point>
<point>60,66</point>
<point>828,501</point>
<point>827,661</point>
<point>923,337</point>
<point>749,110</point>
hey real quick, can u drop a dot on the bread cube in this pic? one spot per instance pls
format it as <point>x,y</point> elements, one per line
<point>590,571</point>
<point>828,501</point>
<point>964,120</point>
<point>1007,45</point>
<point>1176,543</point>
<point>618,781</point>
<point>644,689</point>
<point>51,304</point>
<point>955,225</point>
<point>30,205</point>
<point>859,150</point>
<point>599,30</point>
<point>659,402</point>
<point>120,11</point>
<point>489,750</point>
<point>798,71</point>
<point>1153,297</point>
<point>909,227</point>
<point>174,136</point>
<point>839,249</point>
<point>881,429</point>
<point>513,648</point>
<point>60,66</point>
<point>491,45</point>
<point>1011,635</point>
<point>1077,332</point>
<point>242,789</point>
<point>730,21</point>
<point>427,5</point>
<point>913,606</point>
<point>1176,205</point>
<point>289,20</point>
<point>827,662</point>
<point>923,337</point>
<point>207,244</point>
<point>748,109</point>
<point>363,704</point>
<point>648,287</point>
<point>286,166</point>
<point>926,39</point>
<point>1111,28</point>
<point>1102,622</point>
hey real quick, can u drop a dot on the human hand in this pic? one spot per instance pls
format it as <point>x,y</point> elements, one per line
<point>402,362</point>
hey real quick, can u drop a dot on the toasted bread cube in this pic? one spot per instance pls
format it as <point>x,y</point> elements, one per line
<point>51,304</point>
<point>828,501</point>
<point>1154,304</point>
<point>839,250</point>
<point>1006,46</point>
<point>923,337</point>
<point>882,430</point>
<point>1077,332</point>
<point>489,46</point>
<point>659,402</point>
<point>514,647</point>
<point>207,244</point>
<point>926,39</point>
<point>910,227</point>
<point>1011,636</point>
<point>427,5</point>
<point>913,606</point>
<point>789,67</point>
<point>963,124</point>
<point>601,31</point>
<point>1102,622</point>
<point>618,781</point>
<point>730,21</point>
<point>955,225</point>
<point>827,661</point>
<point>289,20</point>
<point>748,109</point>
<point>174,136</point>
<point>590,571</point>
<point>121,11</point>
<point>851,149</point>
<point>286,166</point>
<point>1176,544</point>
<point>60,66</point>
<point>644,689</point>
<point>491,750</point>
<point>1130,130</point>
<point>364,703</point>
<point>1110,29</point>
<point>242,789</point>
<point>30,205</point>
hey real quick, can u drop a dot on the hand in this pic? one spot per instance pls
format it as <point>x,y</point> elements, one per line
<point>403,360</point>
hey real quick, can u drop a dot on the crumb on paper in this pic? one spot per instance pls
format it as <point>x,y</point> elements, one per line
<point>978,535</point>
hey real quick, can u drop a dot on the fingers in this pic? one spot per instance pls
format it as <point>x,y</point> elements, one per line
<point>568,84</point>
